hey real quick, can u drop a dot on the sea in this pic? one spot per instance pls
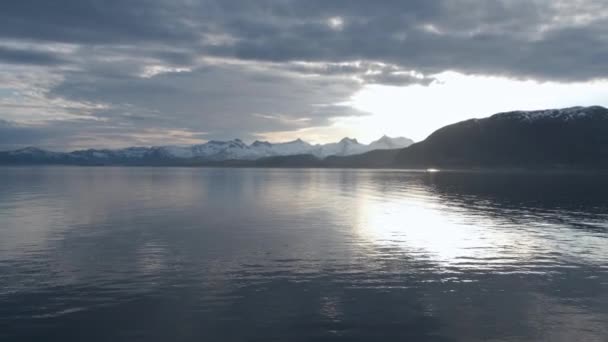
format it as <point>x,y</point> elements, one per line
<point>236,254</point>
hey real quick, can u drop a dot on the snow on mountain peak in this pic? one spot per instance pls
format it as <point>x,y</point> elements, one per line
<point>32,151</point>
<point>386,142</point>
<point>564,114</point>
<point>29,149</point>
<point>296,142</point>
<point>237,149</point>
<point>226,150</point>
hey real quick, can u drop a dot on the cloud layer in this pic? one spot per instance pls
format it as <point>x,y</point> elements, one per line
<point>120,72</point>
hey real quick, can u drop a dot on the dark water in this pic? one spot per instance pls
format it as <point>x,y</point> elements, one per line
<point>172,254</point>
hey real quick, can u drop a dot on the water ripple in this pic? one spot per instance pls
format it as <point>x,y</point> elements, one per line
<point>230,254</point>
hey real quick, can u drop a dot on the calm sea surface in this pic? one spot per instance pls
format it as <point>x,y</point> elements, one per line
<point>194,254</point>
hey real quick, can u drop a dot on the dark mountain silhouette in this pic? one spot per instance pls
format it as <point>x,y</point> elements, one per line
<point>570,137</point>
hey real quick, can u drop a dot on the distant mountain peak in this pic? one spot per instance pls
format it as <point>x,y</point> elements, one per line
<point>348,140</point>
<point>386,142</point>
<point>29,150</point>
<point>261,143</point>
<point>384,138</point>
<point>297,141</point>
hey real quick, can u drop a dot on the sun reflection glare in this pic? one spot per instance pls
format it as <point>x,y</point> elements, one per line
<point>417,226</point>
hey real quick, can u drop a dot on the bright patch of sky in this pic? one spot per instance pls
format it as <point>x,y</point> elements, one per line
<point>416,111</point>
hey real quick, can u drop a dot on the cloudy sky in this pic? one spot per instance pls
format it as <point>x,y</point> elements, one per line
<point>112,73</point>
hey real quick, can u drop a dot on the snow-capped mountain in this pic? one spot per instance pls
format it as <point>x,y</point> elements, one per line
<point>387,143</point>
<point>344,147</point>
<point>210,151</point>
<point>237,149</point>
<point>32,151</point>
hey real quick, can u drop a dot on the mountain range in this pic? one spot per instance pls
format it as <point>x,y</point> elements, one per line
<point>210,152</point>
<point>575,137</point>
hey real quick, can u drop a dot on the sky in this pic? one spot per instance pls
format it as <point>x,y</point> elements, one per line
<point>112,73</point>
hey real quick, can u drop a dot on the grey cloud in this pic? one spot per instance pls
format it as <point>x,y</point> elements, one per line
<point>481,37</point>
<point>365,72</point>
<point>95,21</point>
<point>268,66</point>
<point>13,135</point>
<point>430,36</point>
<point>71,135</point>
<point>22,56</point>
<point>397,79</point>
<point>223,100</point>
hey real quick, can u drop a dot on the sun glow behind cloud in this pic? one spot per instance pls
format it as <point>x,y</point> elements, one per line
<point>416,111</point>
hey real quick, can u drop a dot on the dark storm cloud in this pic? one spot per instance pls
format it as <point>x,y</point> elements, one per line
<point>520,39</point>
<point>474,36</point>
<point>95,21</point>
<point>238,68</point>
